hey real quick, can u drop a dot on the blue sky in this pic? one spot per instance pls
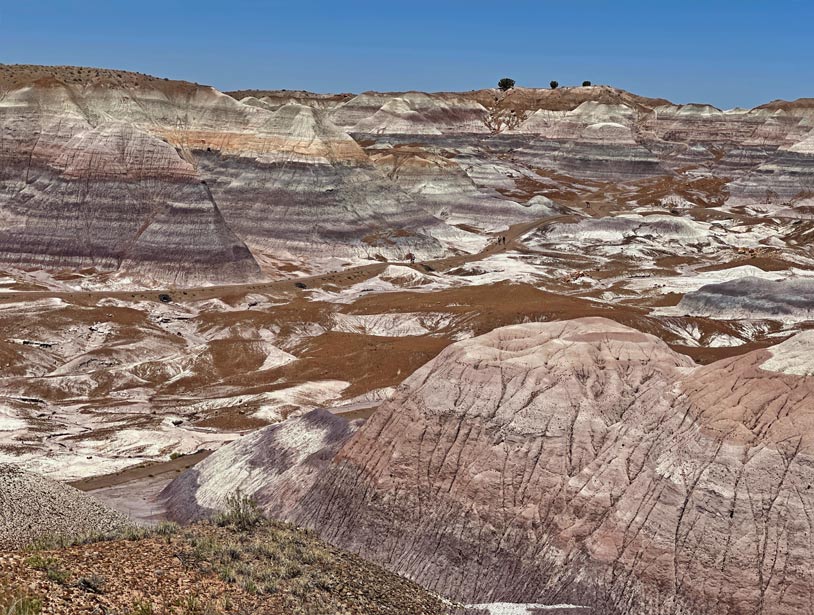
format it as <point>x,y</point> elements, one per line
<point>728,53</point>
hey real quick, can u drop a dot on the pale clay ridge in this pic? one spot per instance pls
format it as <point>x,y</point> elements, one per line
<point>275,465</point>
<point>583,462</point>
<point>794,356</point>
<point>788,300</point>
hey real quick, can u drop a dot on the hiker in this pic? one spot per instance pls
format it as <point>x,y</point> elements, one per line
<point>411,258</point>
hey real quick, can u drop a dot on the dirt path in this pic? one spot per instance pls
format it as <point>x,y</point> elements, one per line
<point>288,285</point>
<point>147,470</point>
<point>136,491</point>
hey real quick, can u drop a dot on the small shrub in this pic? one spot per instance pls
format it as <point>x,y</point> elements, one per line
<point>51,566</point>
<point>166,528</point>
<point>292,571</point>
<point>301,587</point>
<point>142,607</point>
<point>192,605</point>
<point>58,575</point>
<point>203,547</point>
<point>505,84</point>
<point>135,532</point>
<point>42,562</point>
<point>586,84</point>
<point>227,574</point>
<point>21,604</point>
<point>56,542</point>
<point>92,583</point>
<point>176,455</point>
<point>554,84</point>
<point>241,513</point>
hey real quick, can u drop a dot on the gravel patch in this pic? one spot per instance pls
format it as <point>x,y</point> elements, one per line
<point>32,507</point>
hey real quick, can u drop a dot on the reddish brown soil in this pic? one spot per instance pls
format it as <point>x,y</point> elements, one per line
<point>14,76</point>
<point>706,355</point>
<point>562,99</point>
<point>274,569</point>
<point>785,105</point>
<point>143,471</point>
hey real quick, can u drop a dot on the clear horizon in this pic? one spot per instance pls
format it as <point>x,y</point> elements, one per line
<point>725,53</point>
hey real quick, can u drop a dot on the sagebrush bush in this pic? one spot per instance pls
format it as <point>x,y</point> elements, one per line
<point>142,607</point>
<point>51,566</point>
<point>241,513</point>
<point>19,604</point>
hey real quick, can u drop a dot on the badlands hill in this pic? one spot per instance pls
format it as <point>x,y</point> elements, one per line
<point>154,179</point>
<point>592,387</point>
<point>578,462</point>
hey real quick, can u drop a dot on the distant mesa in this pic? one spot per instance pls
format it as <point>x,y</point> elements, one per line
<point>164,181</point>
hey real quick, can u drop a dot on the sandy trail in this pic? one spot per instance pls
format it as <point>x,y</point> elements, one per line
<point>135,491</point>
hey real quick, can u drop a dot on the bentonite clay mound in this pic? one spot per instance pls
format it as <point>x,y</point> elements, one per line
<point>584,462</point>
<point>33,507</point>
<point>275,466</point>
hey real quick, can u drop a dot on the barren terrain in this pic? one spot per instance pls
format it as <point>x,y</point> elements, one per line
<point>187,275</point>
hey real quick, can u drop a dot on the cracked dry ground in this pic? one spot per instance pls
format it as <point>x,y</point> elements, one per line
<point>208,570</point>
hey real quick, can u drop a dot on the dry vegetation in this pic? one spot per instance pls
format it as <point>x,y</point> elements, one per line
<point>15,76</point>
<point>287,94</point>
<point>522,99</point>
<point>240,564</point>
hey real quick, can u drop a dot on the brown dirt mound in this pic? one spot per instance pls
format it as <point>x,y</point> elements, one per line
<point>15,76</point>
<point>273,569</point>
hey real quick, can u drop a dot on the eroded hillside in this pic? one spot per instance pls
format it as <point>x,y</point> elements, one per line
<point>543,346</point>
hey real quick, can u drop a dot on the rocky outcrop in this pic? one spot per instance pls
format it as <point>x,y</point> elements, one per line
<point>583,462</point>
